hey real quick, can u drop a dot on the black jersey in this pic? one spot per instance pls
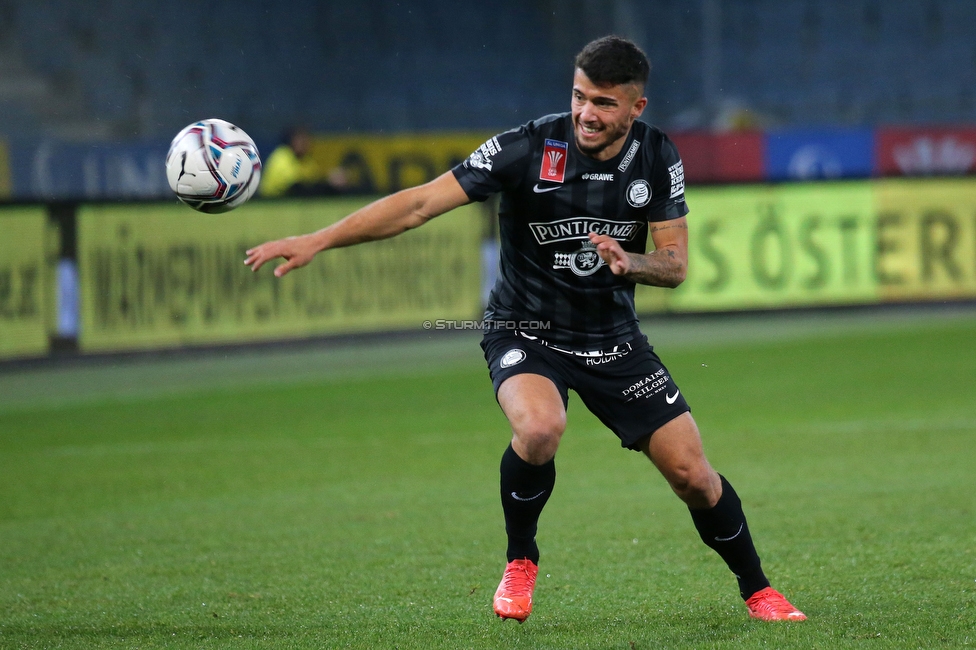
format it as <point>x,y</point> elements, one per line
<point>553,196</point>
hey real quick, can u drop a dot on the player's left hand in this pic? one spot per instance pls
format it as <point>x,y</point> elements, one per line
<point>613,255</point>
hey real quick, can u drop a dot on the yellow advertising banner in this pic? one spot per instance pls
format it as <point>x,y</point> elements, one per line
<point>926,239</point>
<point>383,164</point>
<point>24,293</point>
<point>163,275</point>
<point>810,244</point>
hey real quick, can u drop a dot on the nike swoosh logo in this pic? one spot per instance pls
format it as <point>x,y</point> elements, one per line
<point>518,498</point>
<point>729,539</point>
<point>670,399</point>
<point>542,190</point>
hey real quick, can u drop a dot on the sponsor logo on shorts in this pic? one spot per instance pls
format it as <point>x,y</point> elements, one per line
<point>513,357</point>
<point>600,358</point>
<point>648,386</point>
<point>639,193</point>
<point>591,357</point>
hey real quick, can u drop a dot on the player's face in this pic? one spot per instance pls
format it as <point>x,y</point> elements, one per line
<point>603,115</point>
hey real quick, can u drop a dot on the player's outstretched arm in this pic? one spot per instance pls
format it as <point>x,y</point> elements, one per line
<point>382,219</point>
<point>665,266</point>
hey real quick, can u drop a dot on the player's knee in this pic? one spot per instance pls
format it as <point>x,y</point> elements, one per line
<point>695,484</point>
<point>545,430</point>
<point>539,436</point>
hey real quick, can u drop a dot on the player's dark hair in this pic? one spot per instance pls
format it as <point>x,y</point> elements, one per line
<point>612,61</point>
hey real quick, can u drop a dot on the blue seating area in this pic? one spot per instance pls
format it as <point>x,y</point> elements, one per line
<point>383,65</point>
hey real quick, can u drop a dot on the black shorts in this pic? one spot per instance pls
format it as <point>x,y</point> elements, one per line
<point>628,387</point>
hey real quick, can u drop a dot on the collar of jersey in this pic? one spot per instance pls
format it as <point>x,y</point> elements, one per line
<point>593,163</point>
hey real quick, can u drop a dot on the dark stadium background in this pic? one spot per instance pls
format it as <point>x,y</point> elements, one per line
<point>81,81</point>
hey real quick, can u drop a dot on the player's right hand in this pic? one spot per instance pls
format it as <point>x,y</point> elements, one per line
<point>614,256</point>
<point>297,251</point>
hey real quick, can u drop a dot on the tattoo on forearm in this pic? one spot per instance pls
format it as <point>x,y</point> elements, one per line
<point>660,268</point>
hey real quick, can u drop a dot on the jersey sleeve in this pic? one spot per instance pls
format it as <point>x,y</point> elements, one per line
<point>668,187</point>
<point>499,164</point>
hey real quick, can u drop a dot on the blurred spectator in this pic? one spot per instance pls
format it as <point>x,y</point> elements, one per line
<point>290,171</point>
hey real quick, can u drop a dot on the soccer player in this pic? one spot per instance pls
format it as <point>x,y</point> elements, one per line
<point>581,192</point>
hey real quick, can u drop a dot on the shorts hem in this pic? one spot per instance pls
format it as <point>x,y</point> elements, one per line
<point>654,426</point>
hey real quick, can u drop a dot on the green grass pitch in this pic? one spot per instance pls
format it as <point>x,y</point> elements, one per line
<point>346,496</point>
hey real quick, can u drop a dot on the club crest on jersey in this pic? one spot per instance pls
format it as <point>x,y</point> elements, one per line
<point>585,261</point>
<point>554,161</point>
<point>639,193</point>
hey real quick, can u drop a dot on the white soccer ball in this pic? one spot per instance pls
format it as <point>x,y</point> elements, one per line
<point>213,166</point>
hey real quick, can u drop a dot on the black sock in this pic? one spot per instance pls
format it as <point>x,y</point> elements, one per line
<point>723,528</point>
<point>525,488</point>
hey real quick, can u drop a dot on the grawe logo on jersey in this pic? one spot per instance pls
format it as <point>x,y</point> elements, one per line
<point>554,161</point>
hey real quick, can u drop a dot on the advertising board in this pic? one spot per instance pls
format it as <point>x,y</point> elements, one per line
<point>819,244</point>
<point>24,291</point>
<point>162,275</point>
